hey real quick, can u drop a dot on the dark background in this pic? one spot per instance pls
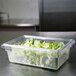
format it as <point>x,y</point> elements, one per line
<point>57,15</point>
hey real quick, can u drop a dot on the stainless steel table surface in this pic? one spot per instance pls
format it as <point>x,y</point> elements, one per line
<point>11,69</point>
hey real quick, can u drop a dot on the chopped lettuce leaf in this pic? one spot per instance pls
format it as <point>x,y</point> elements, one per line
<point>61,44</point>
<point>37,43</point>
<point>47,45</point>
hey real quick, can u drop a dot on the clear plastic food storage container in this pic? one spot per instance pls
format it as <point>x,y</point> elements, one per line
<point>39,57</point>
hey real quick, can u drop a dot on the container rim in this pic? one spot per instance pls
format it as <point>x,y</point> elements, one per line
<point>70,42</point>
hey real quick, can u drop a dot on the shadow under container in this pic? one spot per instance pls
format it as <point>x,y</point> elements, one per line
<point>39,57</point>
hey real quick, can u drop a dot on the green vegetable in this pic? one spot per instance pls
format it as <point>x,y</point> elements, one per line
<point>23,43</point>
<point>37,43</point>
<point>61,44</point>
<point>45,45</point>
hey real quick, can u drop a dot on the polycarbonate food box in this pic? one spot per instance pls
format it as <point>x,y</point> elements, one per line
<point>39,57</point>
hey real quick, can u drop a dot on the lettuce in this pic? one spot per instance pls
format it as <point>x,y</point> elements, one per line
<point>45,45</point>
<point>37,44</point>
